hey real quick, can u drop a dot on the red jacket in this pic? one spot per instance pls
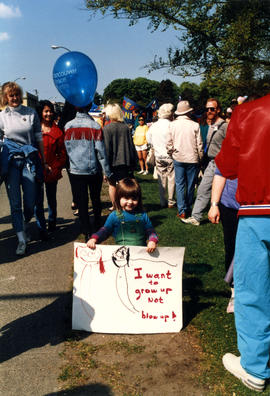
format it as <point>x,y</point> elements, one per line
<point>55,153</point>
<point>245,153</point>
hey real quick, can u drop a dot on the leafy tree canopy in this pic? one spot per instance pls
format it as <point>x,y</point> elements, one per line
<point>141,90</point>
<point>218,38</point>
<point>168,92</point>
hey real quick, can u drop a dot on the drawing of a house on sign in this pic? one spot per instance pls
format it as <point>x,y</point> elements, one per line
<point>124,289</point>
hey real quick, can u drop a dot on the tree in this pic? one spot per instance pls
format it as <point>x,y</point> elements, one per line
<point>191,92</point>
<point>140,90</point>
<point>116,90</point>
<point>219,38</point>
<point>97,99</point>
<point>168,92</point>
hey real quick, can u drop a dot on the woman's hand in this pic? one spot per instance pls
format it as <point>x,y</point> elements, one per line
<point>91,243</point>
<point>214,215</point>
<point>151,247</point>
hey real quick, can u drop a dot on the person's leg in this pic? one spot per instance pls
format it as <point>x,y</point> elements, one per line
<point>162,181</point>
<point>29,193</point>
<point>140,158</point>
<point>51,190</point>
<point>204,191</point>
<point>180,185</point>
<point>191,173</point>
<point>80,186</point>
<point>170,174</point>
<point>95,185</point>
<point>13,182</point>
<point>229,221</point>
<point>252,294</point>
<point>144,156</point>
<point>39,207</point>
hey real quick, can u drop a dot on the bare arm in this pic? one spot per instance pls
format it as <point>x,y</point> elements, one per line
<point>217,188</point>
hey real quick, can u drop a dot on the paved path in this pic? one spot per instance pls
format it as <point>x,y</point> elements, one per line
<point>35,302</point>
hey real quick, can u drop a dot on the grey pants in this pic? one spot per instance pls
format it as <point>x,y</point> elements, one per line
<point>166,179</point>
<point>204,191</point>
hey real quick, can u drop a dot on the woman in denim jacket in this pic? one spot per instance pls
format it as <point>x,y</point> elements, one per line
<point>20,126</point>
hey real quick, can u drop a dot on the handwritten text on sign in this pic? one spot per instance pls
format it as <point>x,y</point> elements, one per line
<point>126,290</point>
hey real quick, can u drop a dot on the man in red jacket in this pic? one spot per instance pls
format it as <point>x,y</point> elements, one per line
<point>245,154</point>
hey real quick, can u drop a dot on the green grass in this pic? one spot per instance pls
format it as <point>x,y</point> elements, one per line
<point>205,294</point>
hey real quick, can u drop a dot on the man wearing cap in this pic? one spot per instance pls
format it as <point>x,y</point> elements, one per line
<point>184,145</point>
<point>215,136</point>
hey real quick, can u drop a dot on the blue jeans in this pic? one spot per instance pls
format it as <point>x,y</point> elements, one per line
<point>252,293</point>
<point>185,180</point>
<point>20,176</point>
<point>51,189</point>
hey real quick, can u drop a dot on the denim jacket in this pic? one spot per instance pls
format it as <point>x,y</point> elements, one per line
<point>85,146</point>
<point>26,152</point>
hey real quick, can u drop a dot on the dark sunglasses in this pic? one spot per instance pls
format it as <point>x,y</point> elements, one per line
<point>210,109</point>
<point>141,119</point>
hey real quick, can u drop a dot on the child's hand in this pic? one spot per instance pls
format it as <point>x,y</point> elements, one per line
<point>91,243</point>
<point>151,246</point>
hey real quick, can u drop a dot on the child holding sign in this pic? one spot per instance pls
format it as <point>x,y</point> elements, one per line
<point>128,224</point>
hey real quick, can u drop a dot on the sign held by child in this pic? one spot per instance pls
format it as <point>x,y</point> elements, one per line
<point>127,290</point>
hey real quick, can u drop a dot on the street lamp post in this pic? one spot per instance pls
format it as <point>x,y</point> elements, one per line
<point>20,78</point>
<point>59,46</point>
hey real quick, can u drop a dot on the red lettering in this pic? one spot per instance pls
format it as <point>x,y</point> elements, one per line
<point>166,290</point>
<point>173,315</point>
<point>169,274</point>
<point>138,273</point>
<point>155,300</point>
<point>152,283</point>
<point>137,291</point>
<point>147,316</point>
<point>149,275</point>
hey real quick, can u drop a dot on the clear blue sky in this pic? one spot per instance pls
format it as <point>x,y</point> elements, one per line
<point>29,27</point>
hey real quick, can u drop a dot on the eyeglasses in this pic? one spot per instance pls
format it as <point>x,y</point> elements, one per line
<point>210,109</point>
<point>141,119</point>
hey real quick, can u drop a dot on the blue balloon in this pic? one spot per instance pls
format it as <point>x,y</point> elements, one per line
<point>75,77</point>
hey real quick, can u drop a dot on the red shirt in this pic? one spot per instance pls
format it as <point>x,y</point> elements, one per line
<point>245,154</point>
<point>54,152</point>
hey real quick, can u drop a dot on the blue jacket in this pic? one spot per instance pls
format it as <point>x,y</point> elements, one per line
<point>26,152</point>
<point>85,146</point>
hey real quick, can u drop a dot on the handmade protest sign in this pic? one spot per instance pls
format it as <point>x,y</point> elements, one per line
<point>124,289</point>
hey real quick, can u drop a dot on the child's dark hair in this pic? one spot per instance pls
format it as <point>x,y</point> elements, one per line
<point>128,188</point>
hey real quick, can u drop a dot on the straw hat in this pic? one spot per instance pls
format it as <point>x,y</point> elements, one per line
<point>183,107</point>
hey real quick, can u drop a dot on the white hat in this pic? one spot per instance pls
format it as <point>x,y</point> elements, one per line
<point>183,107</point>
<point>165,111</point>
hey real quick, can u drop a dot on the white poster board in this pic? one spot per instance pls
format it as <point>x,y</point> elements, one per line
<point>126,290</point>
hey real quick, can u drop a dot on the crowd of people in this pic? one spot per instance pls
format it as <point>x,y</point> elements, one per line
<point>234,182</point>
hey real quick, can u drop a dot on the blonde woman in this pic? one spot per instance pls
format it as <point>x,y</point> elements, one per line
<point>20,127</point>
<point>120,149</point>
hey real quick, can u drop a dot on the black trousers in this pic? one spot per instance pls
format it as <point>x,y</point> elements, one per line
<point>80,186</point>
<point>229,221</point>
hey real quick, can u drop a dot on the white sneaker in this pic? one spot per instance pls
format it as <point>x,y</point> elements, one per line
<point>20,251</point>
<point>140,173</point>
<point>232,364</point>
<point>191,220</point>
<point>145,173</point>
